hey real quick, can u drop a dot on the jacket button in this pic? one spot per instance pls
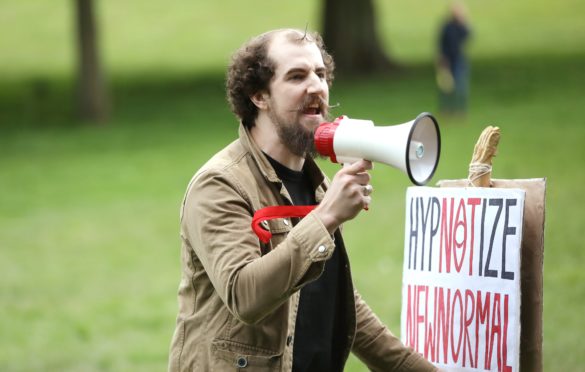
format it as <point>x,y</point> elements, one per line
<point>285,221</point>
<point>288,340</point>
<point>321,249</point>
<point>242,362</point>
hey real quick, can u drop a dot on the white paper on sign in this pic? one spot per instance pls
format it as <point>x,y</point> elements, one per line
<point>461,277</point>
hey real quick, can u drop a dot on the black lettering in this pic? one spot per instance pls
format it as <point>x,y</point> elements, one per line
<point>434,225</point>
<point>425,220</point>
<point>500,204</point>
<point>413,234</point>
<point>481,240</point>
<point>508,230</point>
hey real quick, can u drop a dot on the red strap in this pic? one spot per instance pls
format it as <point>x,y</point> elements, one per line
<point>270,213</point>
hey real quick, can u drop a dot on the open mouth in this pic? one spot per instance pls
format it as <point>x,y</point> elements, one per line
<point>312,109</point>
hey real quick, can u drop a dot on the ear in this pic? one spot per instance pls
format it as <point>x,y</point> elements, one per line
<point>260,100</point>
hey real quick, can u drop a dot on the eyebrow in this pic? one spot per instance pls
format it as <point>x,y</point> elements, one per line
<point>303,70</point>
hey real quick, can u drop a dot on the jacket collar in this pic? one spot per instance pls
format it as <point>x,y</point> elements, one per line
<point>317,177</point>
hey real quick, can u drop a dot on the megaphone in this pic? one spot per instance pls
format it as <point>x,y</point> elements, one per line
<point>413,147</point>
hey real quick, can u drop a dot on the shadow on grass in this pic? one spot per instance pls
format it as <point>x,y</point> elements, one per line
<point>49,102</point>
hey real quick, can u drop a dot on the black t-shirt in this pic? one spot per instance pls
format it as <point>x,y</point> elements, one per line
<point>317,345</point>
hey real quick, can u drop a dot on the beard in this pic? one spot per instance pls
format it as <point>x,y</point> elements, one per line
<point>295,136</point>
<point>298,138</point>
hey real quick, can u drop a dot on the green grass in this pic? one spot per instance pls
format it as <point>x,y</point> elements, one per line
<point>89,247</point>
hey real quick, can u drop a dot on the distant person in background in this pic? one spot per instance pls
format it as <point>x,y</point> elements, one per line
<point>452,65</point>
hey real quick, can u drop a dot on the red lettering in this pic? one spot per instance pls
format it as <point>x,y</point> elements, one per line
<point>473,202</point>
<point>506,367</point>
<point>495,330</point>
<point>460,246</point>
<point>469,304</point>
<point>420,319</point>
<point>456,326</point>
<point>443,323</point>
<point>447,236</point>
<point>429,339</point>
<point>455,352</point>
<point>483,317</point>
<point>410,334</point>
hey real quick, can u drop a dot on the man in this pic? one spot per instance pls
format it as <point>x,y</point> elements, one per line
<point>288,304</point>
<point>453,70</point>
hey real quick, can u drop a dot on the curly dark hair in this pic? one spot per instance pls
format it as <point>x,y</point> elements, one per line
<point>250,70</point>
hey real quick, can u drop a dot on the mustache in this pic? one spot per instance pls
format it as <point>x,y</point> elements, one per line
<point>324,106</point>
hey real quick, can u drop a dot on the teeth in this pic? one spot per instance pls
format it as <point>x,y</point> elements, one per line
<point>313,108</point>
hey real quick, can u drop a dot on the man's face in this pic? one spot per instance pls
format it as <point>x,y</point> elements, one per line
<point>298,93</point>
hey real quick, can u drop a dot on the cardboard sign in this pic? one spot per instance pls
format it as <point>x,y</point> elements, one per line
<point>461,277</point>
<point>532,265</point>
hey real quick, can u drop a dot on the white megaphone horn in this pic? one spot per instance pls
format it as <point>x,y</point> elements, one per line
<point>413,147</point>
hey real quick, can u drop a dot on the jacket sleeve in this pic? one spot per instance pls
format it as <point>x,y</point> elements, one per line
<point>378,348</point>
<point>216,223</point>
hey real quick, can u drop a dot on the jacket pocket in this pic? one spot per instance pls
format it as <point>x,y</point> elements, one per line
<point>279,228</point>
<point>232,356</point>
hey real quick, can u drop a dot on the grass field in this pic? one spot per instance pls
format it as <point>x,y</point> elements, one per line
<point>89,247</point>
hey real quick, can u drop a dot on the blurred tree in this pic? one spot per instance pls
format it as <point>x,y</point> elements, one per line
<point>93,103</point>
<point>349,32</point>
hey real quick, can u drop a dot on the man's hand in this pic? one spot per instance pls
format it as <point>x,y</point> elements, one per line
<point>348,194</point>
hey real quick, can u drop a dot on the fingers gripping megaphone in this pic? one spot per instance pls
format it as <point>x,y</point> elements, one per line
<point>413,147</point>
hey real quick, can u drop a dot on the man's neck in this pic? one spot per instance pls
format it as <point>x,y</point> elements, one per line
<point>266,137</point>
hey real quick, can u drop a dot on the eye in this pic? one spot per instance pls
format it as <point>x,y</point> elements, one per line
<point>297,77</point>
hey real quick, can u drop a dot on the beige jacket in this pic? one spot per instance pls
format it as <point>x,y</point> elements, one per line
<point>238,298</point>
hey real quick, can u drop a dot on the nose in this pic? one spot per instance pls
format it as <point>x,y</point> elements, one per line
<point>316,85</point>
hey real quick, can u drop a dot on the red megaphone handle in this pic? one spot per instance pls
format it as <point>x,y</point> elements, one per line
<point>270,213</point>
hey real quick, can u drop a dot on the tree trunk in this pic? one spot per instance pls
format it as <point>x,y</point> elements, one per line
<point>349,32</point>
<point>92,98</point>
